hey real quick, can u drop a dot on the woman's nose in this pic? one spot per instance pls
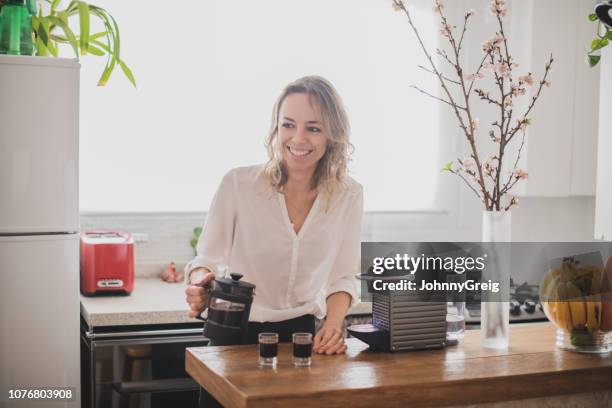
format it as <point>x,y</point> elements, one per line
<point>301,134</point>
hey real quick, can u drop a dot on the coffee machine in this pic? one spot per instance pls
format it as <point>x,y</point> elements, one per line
<point>403,320</point>
<point>228,307</point>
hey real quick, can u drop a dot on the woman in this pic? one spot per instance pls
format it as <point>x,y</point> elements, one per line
<point>291,226</point>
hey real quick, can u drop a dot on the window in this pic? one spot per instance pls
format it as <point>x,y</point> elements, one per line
<point>208,73</point>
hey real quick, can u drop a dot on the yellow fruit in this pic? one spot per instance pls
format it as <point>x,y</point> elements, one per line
<point>570,296</point>
<point>593,309</point>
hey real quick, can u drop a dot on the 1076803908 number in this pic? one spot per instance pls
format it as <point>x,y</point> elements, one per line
<point>65,394</point>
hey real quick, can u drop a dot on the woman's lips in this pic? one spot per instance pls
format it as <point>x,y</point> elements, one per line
<point>296,152</point>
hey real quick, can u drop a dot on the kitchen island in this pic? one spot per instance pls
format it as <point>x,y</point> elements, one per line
<point>531,370</point>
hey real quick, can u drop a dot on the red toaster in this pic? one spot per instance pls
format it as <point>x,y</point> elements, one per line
<point>107,262</point>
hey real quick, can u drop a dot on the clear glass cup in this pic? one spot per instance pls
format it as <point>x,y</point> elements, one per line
<point>455,322</point>
<point>302,349</point>
<point>268,349</point>
<point>455,311</point>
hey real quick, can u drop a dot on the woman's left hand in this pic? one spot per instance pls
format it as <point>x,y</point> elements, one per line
<point>329,340</point>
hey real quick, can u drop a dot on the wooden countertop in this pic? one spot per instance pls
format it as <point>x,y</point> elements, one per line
<point>465,374</point>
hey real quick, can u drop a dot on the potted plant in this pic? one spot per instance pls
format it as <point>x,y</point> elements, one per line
<point>52,27</point>
<point>603,32</point>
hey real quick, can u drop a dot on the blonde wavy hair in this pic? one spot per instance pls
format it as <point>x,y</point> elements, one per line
<point>332,167</point>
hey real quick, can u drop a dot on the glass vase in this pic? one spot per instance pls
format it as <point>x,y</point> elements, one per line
<point>495,315</point>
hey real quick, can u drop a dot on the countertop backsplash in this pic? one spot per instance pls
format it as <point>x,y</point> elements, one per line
<point>161,238</point>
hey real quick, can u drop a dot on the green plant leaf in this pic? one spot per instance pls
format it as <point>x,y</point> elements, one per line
<point>98,35</point>
<point>69,34</point>
<point>72,7</point>
<point>592,17</point>
<point>108,70</point>
<point>197,231</point>
<point>598,43</point>
<point>609,34</point>
<point>593,60</point>
<point>54,5</point>
<point>59,38</point>
<point>41,50</point>
<point>84,26</point>
<point>43,30</point>
<point>95,50</point>
<point>63,15</point>
<point>112,37</point>
<point>448,167</point>
<point>193,243</point>
<point>128,72</point>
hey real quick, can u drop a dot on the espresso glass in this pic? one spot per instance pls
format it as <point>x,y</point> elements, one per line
<point>268,349</point>
<point>302,349</point>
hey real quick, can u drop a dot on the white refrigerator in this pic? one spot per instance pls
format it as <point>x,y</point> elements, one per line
<point>39,222</point>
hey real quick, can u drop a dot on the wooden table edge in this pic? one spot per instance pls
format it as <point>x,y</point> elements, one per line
<point>436,394</point>
<point>234,399</point>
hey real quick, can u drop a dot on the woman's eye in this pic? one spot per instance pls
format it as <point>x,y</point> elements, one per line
<point>287,125</point>
<point>314,129</point>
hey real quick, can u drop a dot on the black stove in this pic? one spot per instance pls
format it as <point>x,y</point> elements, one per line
<point>525,304</point>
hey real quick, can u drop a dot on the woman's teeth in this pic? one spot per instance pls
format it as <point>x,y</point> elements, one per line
<point>298,152</point>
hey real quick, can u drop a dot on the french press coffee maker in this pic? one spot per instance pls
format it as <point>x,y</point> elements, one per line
<point>229,305</point>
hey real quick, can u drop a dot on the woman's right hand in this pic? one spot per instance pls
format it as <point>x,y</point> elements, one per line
<point>197,295</point>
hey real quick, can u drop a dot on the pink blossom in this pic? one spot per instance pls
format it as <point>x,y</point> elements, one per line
<point>523,123</point>
<point>489,166</point>
<point>528,79</point>
<point>467,164</point>
<point>518,91</point>
<point>472,77</point>
<point>520,174</point>
<point>474,123</point>
<point>503,69</point>
<point>498,8</point>
<point>491,43</point>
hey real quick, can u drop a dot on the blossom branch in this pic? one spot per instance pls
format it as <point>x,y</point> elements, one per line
<point>445,78</point>
<point>437,98</point>
<point>483,178</point>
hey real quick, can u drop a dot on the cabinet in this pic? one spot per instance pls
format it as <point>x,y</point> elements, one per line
<point>561,146</point>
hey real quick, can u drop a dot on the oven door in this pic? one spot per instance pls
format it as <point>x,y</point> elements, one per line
<point>141,368</point>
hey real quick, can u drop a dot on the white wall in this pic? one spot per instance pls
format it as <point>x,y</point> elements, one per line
<point>455,216</point>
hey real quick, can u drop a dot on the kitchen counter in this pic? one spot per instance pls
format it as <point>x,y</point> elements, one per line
<point>532,371</point>
<point>153,301</point>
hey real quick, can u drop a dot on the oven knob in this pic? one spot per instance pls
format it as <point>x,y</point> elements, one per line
<point>530,306</point>
<point>515,308</point>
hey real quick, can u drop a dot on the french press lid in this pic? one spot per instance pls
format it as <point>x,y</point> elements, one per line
<point>233,287</point>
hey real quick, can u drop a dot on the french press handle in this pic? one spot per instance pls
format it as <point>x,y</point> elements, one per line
<point>208,289</point>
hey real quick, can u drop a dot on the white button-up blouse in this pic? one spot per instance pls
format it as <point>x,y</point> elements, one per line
<point>248,231</point>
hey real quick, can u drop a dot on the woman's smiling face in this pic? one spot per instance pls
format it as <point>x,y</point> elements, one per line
<point>302,137</point>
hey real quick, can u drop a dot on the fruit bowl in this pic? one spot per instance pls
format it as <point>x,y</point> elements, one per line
<point>578,300</point>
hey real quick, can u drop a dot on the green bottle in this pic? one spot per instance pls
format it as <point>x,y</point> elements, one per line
<point>16,27</point>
